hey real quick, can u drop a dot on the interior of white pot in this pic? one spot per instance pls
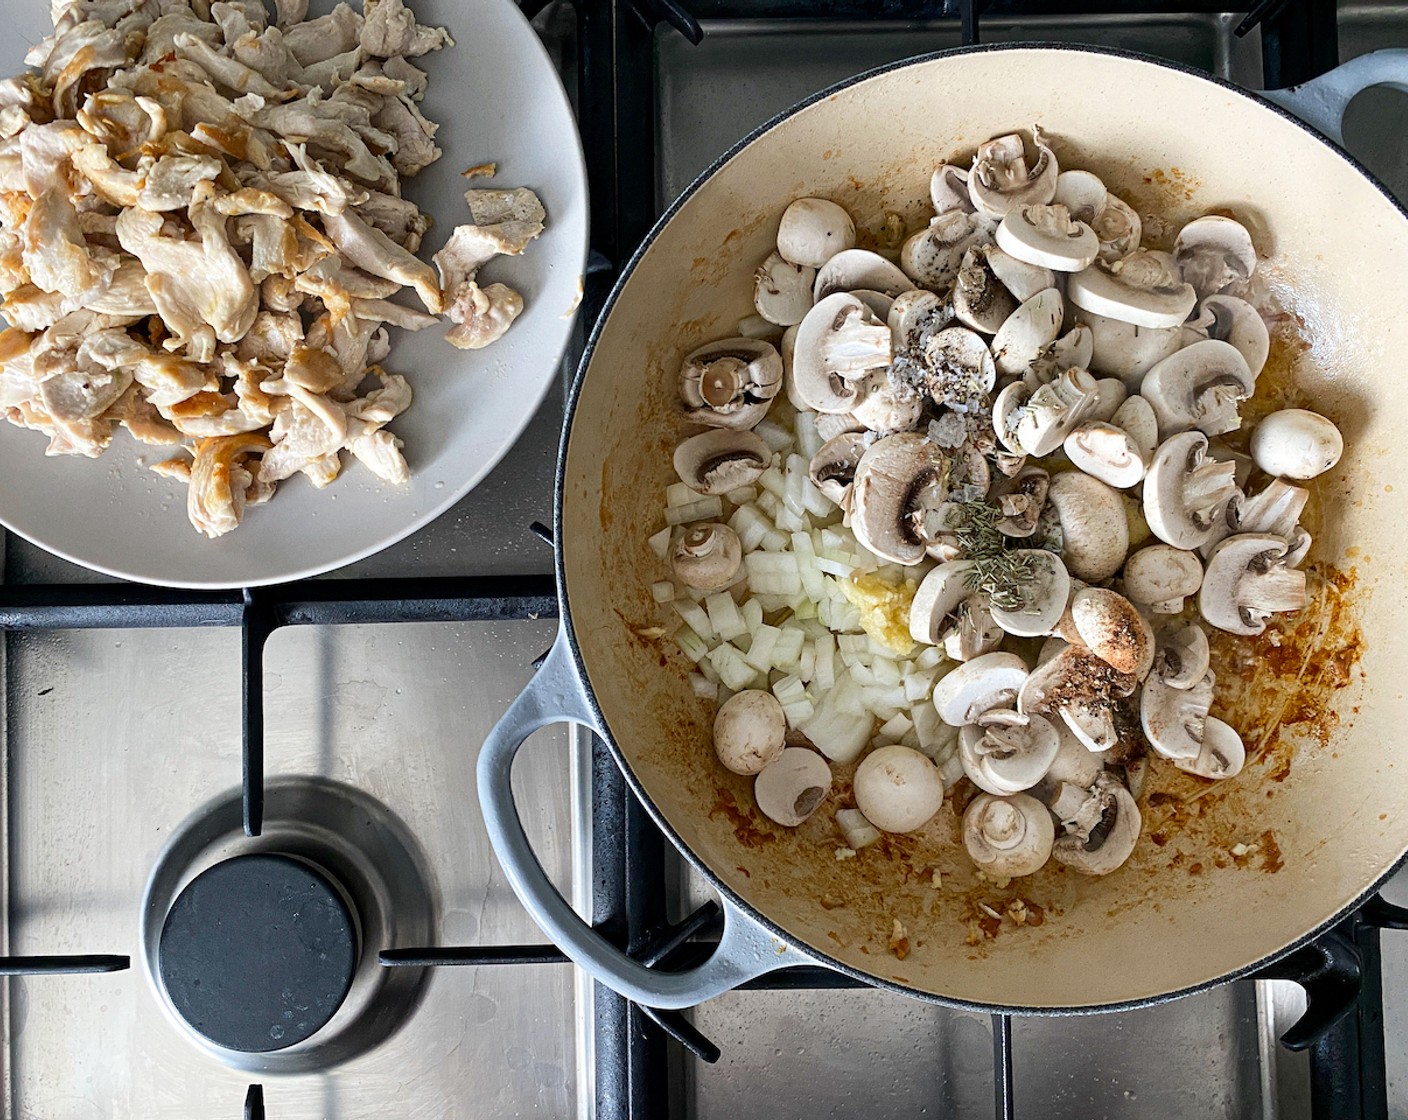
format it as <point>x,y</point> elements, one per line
<point>1313,815</point>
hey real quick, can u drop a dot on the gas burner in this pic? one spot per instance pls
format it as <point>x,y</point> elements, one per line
<point>264,951</point>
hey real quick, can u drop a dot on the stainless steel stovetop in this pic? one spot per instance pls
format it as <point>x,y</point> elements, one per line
<point>115,739</point>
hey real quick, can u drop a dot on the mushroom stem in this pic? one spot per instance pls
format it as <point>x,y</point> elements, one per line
<point>1208,486</point>
<point>1275,589</point>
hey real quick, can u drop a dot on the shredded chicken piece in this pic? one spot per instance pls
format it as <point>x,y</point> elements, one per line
<point>203,239</point>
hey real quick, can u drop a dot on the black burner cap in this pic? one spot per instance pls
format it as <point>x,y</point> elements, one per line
<point>258,952</point>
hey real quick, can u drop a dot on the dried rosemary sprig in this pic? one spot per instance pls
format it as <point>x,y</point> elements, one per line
<point>1005,574</point>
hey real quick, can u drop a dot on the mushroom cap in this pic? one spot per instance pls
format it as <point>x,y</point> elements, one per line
<point>1162,576</point>
<point>966,691</point>
<point>948,189</point>
<point>782,291</point>
<point>1199,386</point>
<point>1246,580</point>
<point>1074,764</point>
<point>1080,192</point>
<point>1173,718</point>
<point>878,302</point>
<point>1047,236</point>
<point>1222,756</point>
<point>1185,491</point>
<point>1001,178</point>
<point>1118,227</point>
<point>1043,599</point>
<point>938,595</point>
<point>1073,348</point>
<point>1110,391</point>
<point>1093,524</point>
<point>959,365</point>
<point>1182,655</point>
<point>1007,414</point>
<point>829,425</point>
<point>833,467</point>
<point>1107,453</point>
<point>888,405</point>
<point>1006,752</point>
<point>813,230</point>
<point>1035,325</point>
<point>1136,416</point>
<point>810,383</point>
<point>980,300</point>
<point>898,789</point>
<point>1213,253</point>
<point>707,556</point>
<point>1053,411</point>
<point>1023,280</point>
<point>1114,630</point>
<point>914,312</point>
<point>789,790</point>
<point>720,460</point>
<point>730,383</point>
<point>749,731</point>
<point>1238,323</point>
<point>1143,289</point>
<point>1111,842</point>
<point>1296,443</point>
<point>1126,351</point>
<point>897,478</point>
<point>1008,837</point>
<point>856,269</point>
<point>931,257</point>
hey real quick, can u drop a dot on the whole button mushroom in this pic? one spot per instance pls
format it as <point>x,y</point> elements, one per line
<point>1008,837</point>
<point>813,230</point>
<point>1114,630</point>
<point>1093,525</point>
<point>749,731</point>
<point>1161,577</point>
<point>898,789</point>
<point>789,790</point>
<point>1296,443</point>
<point>707,556</point>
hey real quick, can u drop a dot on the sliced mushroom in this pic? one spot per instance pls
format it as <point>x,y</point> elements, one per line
<point>1008,837</point>
<point>932,257</point>
<point>1222,755</point>
<point>1023,280</point>
<point>718,461</point>
<point>1094,529</point>
<point>749,731</point>
<point>1161,576</point>
<point>1110,391</point>
<point>915,313</point>
<point>1054,410</point>
<point>1173,718</point>
<point>1080,688</point>
<point>1034,325</point>
<point>1082,193</point>
<point>1020,500</point>
<point>898,789</point>
<point>813,230</point>
<point>1106,845</point>
<point>859,269</point>
<point>980,300</point>
<point>1214,253</point>
<point>948,189</point>
<point>1274,510</point>
<point>1237,323</point>
<point>730,384</point>
<point>898,479</point>
<point>1073,766</point>
<point>992,680</point>
<point>1113,629</point>
<point>1001,178</point>
<point>1199,387</point>
<point>1047,236</point>
<point>833,467</point>
<point>878,302</point>
<point>1247,580</point>
<point>974,631</point>
<point>1044,591</point>
<point>1136,417</point>
<point>789,790</point>
<point>782,291</point>
<point>1107,453</point>
<point>1143,288</point>
<point>1185,492</point>
<point>707,556</point>
<point>1296,443</point>
<point>1125,350</point>
<point>959,367</point>
<point>829,425</point>
<point>888,404</point>
<point>1118,227</point>
<point>811,384</point>
<point>1072,349</point>
<point>937,597</point>
<point>1006,751</point>
<point>1182,656</point>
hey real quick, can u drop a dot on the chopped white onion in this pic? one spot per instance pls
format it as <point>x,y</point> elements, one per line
<point>858,831</point>
<point>705,509</point>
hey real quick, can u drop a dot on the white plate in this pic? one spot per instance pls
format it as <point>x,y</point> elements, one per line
<point>497,98</point>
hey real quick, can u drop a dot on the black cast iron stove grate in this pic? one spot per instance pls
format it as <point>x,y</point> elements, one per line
<point>1340,971</point>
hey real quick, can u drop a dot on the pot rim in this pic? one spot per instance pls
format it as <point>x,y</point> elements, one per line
<point>638,789</point>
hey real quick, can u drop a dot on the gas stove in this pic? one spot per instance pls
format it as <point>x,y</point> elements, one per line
<point>244,866</point>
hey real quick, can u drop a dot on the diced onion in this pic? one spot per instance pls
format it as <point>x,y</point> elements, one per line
<point>660,543</point>
<point>709,690</point>
<point>705,509</point>
<point>691,644</point>
<point>662,592</point>
<point>695,617</point>
<point>858,831</point>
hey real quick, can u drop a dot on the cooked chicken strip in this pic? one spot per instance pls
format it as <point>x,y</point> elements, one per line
<point>212,503</point>
<point>372,251</point>
<point>482,315</point>
<point>391,29</point>
<point>316,40</point>
<point>56,252</point>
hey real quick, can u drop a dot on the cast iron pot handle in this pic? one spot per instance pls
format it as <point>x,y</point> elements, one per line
<point>746,950</point>
<point>1321,103</point>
